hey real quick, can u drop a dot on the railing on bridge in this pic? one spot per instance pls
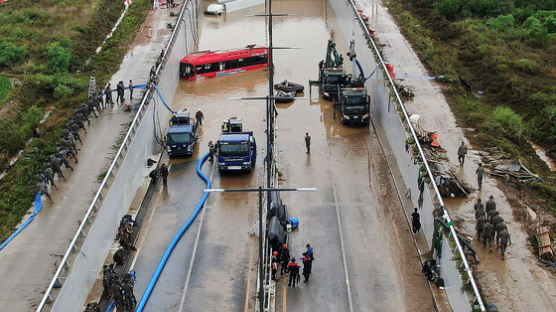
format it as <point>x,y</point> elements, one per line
<point>391,121</point>
<point>189,10</point>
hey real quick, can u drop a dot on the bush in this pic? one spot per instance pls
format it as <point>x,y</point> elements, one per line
<point>535,33</point>
<point>484,8</point>
<point>32,117</point>
<point>449,8</point>
<point>502,22</point>
<point>550,24</point>
<point>62,91</point>
<point>59,57</point>
<point>510,122</point>
<point>527,66</point>
<point>10,54</point>
<point>5,86</point>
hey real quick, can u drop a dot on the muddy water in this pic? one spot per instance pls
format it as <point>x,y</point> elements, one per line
<point>518,283</point>
<point>354,221</point>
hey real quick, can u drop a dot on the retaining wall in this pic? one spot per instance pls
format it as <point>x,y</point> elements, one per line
<point>386,115</point>
<point>130,168</point>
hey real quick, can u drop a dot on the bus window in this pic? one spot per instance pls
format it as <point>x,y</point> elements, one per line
<point>186,70</point>
<point>221,66</point>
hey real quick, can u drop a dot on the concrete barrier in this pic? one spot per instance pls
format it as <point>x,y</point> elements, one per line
<point>126,174</point>
<point>389,115</point>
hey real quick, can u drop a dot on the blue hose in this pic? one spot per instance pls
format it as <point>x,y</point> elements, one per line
<point>361,69</point>
<point>38,208</point>
<point>177,238</point>
<point>111,306</point>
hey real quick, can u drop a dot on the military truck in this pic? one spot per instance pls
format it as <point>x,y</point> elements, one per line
<point>353,106</point>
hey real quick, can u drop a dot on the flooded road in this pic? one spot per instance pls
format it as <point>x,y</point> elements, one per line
<point>354,221</point>
<point>518,283</point>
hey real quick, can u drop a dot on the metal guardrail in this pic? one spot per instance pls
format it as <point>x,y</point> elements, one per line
<point>468,269</point>
<point>56,281</point>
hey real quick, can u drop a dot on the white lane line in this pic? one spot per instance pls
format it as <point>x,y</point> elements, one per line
<point>194,253</point>
<point>342,247</point>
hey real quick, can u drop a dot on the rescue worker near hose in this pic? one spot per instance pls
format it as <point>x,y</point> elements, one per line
<point>164,174</point>
<point>130,91</point>
<point>211,150</point>
<point>108,95</point>
<point>480,172</point>
<point>41,186</point>
<point>293,269</point>
<point>120,92</point>
<point>462,151</point>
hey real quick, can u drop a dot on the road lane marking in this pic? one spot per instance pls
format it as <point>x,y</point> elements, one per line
<point>342,246</point>
<point>194,253</point>
<point>248,288</point>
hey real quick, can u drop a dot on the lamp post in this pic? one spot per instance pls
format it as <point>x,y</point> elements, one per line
<point>260,190</point>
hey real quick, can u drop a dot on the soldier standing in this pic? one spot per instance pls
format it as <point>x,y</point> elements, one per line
<point>504,241</point>
<point>415,221</point>
<point>462,151</point>
<point>479,213</point>
<point>308,142</point>
<point>499,228</point>
<point>480,226</point>
<point>49,176</point>
<point>199,116</point>
<point>41,186</point>
<point>108,95</point>
<point>492,214</point>
<point>480,172</point>
<point>479,205</point>
<point>120,91</point>
<point>164,174</point>
<point>488,234</point>
<point>130,91</point>
<point>490,204</point>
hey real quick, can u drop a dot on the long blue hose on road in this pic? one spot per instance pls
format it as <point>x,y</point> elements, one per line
<point>361,69</point>
<point>38,208</point>
<point>177,238</point>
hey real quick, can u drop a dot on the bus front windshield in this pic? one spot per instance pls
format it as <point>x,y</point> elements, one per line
<point>234,149</point>
<point>178,138</point>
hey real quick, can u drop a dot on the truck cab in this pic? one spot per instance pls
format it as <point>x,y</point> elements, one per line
<point>182,135</point>
<point>216,9</point>
<point>236,149</point>
<point>330,80</point>
<point>353,106</point>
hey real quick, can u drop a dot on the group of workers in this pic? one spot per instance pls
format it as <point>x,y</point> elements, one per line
<point>490,226</point>
<point>288,265</point>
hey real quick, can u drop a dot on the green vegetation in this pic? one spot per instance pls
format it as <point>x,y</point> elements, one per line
<point>48,49</point>
<point>507,50</point>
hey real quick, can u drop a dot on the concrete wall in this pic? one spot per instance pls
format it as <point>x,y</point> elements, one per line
<point>131,171</point>
<point>385,115</point>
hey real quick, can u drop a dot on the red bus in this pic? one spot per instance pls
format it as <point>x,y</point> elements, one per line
<point>207,64</point>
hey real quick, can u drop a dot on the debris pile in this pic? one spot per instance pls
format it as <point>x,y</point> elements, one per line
<point>512,170</point>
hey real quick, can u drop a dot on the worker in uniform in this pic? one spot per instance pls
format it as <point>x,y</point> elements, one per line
<point>41,186</point>
<point>504,241</point>
<point>164,174</point>
<point>498,229</point>
<point>108,95</point>
<point>120,92</point>
<point>462,151</point>
<point>284,259</point>
<point>308,142</point>
<point>199,116</point>
<point>274,265</point>
<point>56,163</point>
<point>480,226</point>
<point>480,172</point>
<point>49,176</point>
<point>75,131</point>
<point>492,214</point>
<point>307,266</point>
<point>479,205</point>
<point>488,234</point>
<point>479,213</point>
<point>211,150</point>
<point>415,221</point>
<point>130,90</point>
<point>63,156</point>
<point>490,204</point>
<point>293,269</point>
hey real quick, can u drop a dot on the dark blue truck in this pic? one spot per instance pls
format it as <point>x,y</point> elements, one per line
<point>182,135</point>
<point>237,149</point>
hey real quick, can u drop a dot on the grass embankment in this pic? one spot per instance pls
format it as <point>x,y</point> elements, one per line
<point>507,50</point>
<point>48,49</point>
